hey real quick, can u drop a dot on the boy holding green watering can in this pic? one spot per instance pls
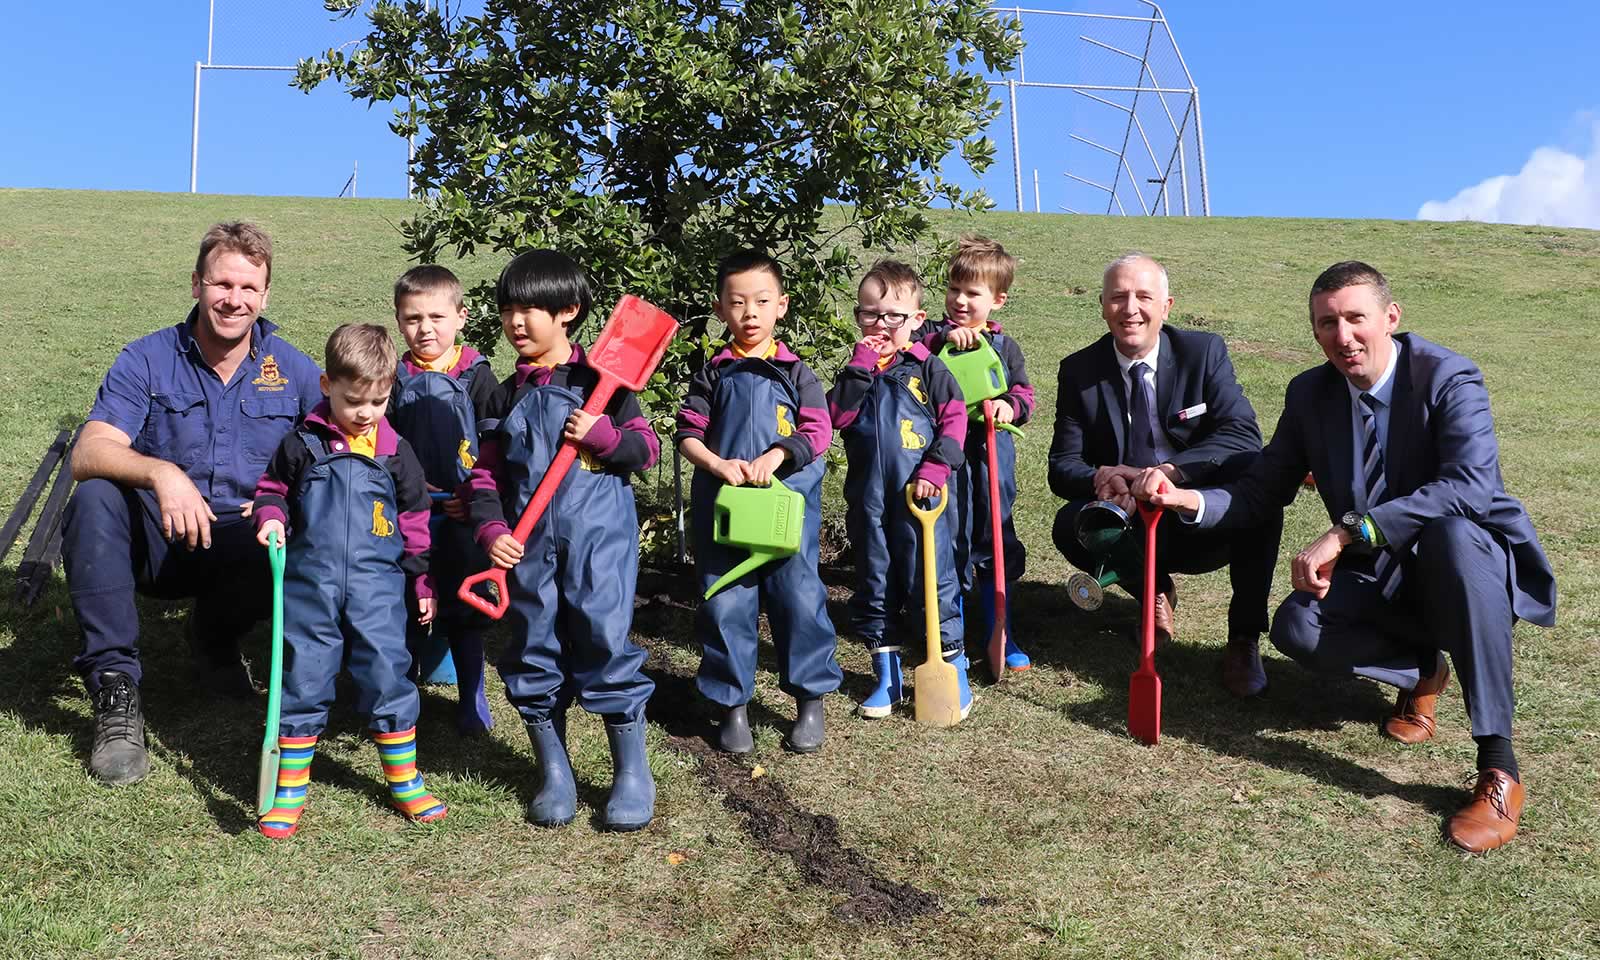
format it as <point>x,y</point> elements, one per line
<point>756,414</point>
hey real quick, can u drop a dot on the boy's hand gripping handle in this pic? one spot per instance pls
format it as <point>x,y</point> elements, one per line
<point>542,494</point>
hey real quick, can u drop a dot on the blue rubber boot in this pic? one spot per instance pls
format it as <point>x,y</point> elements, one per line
<point>890,689</point>
<point>633,790</point>
<point>1015,658</point>
<point>556,803</point>
<point>432,658</point>
<point>961,664</point>
<point>472,712</point>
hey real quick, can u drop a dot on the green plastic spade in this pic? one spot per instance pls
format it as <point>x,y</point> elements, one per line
<point>981,375</point>
<point>767,521</point>
<point>267,776</point>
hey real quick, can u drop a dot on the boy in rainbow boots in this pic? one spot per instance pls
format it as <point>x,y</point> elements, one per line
<point>755,412</point>
<point>442,391</point>
<point>346,494</point>
<point>980,279</point>
<point>903,421</point>
<point>571,594</point>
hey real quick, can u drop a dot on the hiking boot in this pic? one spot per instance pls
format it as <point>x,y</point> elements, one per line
<point>632,803</point>
<point>734,735</point>
<point>890,689</point>
<point>556,803</point>
<point>118,757</point>
<point>806,737</point>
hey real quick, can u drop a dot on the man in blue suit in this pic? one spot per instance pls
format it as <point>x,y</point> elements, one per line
<point>1145,395</point>
<point>1427,554</point>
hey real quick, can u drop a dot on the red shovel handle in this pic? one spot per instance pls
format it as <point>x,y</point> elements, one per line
<point>542,495</point>
<point>997,637</point>
<point>1151,515</point>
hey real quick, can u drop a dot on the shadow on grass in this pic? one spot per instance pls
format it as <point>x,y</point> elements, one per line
<point>1099,647</point>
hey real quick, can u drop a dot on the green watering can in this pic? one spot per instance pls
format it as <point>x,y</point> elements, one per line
<point>767,521</point>
<point>1102,527</point>
<point>981,374</point>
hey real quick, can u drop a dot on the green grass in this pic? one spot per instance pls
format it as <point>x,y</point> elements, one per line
<point>1283,827</point>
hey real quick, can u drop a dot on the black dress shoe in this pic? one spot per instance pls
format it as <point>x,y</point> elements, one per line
<point>118,757</point>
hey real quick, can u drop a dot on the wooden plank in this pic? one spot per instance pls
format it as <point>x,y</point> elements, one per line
<point>30,494</point>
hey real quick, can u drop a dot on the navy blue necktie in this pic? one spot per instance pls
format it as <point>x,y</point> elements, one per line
<point>1385,566</point>
<point>1141,425</point>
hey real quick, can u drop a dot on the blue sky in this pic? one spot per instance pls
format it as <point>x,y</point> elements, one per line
<point>1354,109</point>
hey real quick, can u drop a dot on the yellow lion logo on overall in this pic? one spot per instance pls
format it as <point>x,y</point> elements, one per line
<point>464,453</point>
<point>381,527</point>
<point>910,438</point>
<point>914,384</point>
<point>785,425</point>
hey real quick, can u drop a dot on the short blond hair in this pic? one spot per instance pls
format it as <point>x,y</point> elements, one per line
<point>984,260</point>
<point>429,278</point>
<point>245,239</point>
<point>361,352</point>
<point>894,276</point>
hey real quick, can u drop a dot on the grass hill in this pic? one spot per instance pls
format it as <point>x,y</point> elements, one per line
<point>1281,827</point>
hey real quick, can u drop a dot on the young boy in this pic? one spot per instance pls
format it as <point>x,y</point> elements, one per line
<point>756,413</point>
<point>441,393</point>
<point>904,422</point>
<point>347,495</point>
<point>980,279</point>
<point>572,597</point>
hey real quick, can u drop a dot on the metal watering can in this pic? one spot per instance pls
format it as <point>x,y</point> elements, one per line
<point>1102,527</point>
<point>767,521</point>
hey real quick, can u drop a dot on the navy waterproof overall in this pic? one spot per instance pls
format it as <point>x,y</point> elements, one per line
<point>884,446</point>
<point>572,593</point>
<point>752,407</point>
<point>344,595</point>
<point>969,501</point>
<point>434,412</point>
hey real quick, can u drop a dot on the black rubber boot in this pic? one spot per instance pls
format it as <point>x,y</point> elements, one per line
<point>807,735</point>
<point>735,736</point>
<point>632,803</point>
<point>118,757</point>
<point>556,803</point>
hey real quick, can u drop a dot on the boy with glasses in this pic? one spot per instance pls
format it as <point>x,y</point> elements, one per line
<point>904,422</point>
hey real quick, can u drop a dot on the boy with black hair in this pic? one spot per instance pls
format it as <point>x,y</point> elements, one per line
<point>904,421</point>
<point>979,284</point>
<point>442,391</point>
<point>756,413</point>
<point>571,602</point>
<point>352,492</point>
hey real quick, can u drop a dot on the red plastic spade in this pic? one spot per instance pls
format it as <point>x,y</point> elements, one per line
<point>626,353</point>
<point>997,638</point>
<point>1144,688</point>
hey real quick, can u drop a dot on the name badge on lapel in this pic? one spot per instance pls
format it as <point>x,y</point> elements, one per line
<point>1189,413</point>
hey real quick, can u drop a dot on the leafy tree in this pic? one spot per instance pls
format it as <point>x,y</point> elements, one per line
<point>649,138</point>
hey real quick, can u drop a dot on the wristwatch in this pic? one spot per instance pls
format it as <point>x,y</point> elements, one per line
<point>1354,524</point>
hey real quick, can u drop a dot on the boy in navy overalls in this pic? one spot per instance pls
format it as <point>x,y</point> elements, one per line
<point>904,421</point>
<point>442,390</point>
<point>348,495</point>
<point>756,413</point>
<point>980,280</point>
<point>571,602</point>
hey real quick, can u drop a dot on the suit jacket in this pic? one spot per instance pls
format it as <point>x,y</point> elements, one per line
<point>1440,459</point>
<point>1091,427</point>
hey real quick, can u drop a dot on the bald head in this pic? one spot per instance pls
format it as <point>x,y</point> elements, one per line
<point>1134,302</point>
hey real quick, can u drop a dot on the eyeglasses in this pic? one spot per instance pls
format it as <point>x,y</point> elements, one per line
<point>872,318</point>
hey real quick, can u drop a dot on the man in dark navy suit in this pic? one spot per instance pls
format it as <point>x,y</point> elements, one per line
<point>1427,554</point>
<point>1150,395</point>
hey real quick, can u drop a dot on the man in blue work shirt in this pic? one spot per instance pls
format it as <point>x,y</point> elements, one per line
<point>181,429</point>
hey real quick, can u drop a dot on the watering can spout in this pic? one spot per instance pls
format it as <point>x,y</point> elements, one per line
<point>754,560</point>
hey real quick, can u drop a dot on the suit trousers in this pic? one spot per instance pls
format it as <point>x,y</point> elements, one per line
<point>1454,596</point>
<point>1250,556</point>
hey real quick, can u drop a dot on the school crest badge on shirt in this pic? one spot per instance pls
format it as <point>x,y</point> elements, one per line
<point>272,379</point>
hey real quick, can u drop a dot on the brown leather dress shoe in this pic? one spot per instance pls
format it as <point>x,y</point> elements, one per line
<point>1164,617</point>
<point>1412,721</point>
<point>1241,667</point>
<point>1491,818</point>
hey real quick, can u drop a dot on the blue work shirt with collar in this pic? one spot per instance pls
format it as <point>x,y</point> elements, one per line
<point>163,394</point>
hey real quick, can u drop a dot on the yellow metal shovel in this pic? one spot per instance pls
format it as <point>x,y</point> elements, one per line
<point>935,683</point>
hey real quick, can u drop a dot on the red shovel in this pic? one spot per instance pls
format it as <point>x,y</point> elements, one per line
<point>625,355</point>
<point>1144,688</point>
<point>997,549</point>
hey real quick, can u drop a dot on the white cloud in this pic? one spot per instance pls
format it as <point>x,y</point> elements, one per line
<point>1554,188</point>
